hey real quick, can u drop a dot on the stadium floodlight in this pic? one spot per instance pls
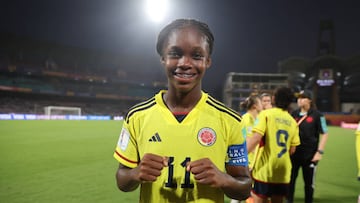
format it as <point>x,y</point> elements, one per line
<point>156,9</point>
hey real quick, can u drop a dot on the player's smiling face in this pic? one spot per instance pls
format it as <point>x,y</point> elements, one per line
<point>186,58</point>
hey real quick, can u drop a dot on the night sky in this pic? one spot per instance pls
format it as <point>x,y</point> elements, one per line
<point>250,36</point>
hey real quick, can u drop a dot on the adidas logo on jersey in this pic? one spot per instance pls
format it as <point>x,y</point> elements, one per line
<point>155,138</point>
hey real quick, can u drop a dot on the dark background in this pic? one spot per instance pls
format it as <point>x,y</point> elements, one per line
<point>250,36</point>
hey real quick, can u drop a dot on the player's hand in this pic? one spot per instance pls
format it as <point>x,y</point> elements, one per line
<point>205,172</point>
<point>317,157</point>
<point>150,167</point>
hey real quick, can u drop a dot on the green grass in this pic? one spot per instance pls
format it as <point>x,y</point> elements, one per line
<point>59,161</point>
<point>337,172</point>
<point>71,161</point>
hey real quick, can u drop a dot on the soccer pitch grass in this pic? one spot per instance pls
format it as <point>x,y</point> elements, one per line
<point>71,161</point>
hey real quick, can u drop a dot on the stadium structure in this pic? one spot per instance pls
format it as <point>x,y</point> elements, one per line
<point>334,80</point>
<point>36,74</point>
<point>238,86</point>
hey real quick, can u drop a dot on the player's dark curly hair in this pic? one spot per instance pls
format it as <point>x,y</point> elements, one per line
<point>181,23</point>
<point>283,97</point>
<point>249,102</point>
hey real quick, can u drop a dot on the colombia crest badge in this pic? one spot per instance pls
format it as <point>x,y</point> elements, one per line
<point>206,136</point>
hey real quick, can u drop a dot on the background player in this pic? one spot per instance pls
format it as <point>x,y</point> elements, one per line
<point>311,124</point>
<point>182,145</point>
<point>277,134</point>
<point>253,106</point>
<point>266,100</point>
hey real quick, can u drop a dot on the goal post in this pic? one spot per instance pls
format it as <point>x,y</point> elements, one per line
<point>62,110</point>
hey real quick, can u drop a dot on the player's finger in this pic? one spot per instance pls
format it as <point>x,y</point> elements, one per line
<point>166,161</point>
<point>150,170</point>
<point>147,178</point>
<point>200,175</point>
<point>153,157</point>
<point>155,160</point>
<point>150,164</point>
<point>188,166</point>
<point>197,169</point>
<point>194,166</point>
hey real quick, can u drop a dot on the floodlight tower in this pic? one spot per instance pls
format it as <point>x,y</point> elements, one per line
<point>326,40</point>
<point>326,70</point>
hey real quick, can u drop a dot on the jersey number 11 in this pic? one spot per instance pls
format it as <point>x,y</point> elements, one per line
<point>170,181</point>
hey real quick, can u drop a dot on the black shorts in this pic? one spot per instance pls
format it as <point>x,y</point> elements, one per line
<point>265,190</point>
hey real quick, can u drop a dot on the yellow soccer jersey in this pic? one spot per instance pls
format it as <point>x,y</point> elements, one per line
<point>249,121</point>
<point>280,131</point>
<point>209,130</point>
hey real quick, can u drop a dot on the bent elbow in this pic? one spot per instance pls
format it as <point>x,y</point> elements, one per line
<point>126,186</point>
<point>124,189</point>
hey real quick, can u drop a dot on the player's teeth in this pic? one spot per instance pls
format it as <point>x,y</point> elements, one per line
<point>184,75</point>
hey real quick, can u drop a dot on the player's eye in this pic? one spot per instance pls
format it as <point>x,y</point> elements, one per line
<point>198,56</point>
<point>173,54</point>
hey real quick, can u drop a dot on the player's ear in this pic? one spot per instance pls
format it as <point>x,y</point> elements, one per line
<point>208,62</point>
<point>162,60</point>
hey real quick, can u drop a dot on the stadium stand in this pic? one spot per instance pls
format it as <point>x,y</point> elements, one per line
<point>34,74</point>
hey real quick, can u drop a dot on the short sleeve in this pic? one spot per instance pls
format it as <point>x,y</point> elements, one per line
<point>237,154</point>
<point>126,150</point>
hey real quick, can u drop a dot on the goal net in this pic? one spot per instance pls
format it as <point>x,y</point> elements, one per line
<point>62,110</point>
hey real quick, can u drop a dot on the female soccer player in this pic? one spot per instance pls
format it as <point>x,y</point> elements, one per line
<point>253,106</point>
<point>277,134</point>
<point>266,100</point>
<point>183,145</point>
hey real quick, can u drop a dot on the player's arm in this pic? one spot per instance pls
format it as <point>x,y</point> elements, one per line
<point>292,150</point>
<point>258,132</point>
<point>149,168</point>
<point>253,141</point>
<point>239,183</point>
<point>125,179</point>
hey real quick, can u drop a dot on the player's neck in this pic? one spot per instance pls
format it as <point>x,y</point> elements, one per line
<point>253,113</point>
<point>181,102</point>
